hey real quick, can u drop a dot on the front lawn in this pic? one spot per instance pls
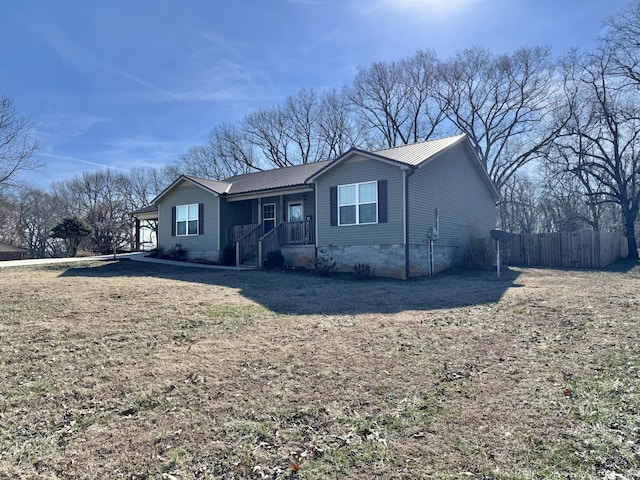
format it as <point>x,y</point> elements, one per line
<point>134,370</point>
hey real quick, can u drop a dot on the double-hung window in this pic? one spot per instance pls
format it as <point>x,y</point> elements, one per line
<point>358,203</point>
<point>187,219</point>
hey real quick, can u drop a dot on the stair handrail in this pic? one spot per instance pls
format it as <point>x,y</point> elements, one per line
<point>249,239</point>
<point>269,242</point>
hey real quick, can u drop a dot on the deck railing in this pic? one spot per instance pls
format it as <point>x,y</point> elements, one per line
<point>248,238</point>
<point>247,243</point>
<point>298,233</point>
<point>270,242</point>
<point>236,232</point>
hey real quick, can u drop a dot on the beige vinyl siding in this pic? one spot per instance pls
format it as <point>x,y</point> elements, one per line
<point>451,183</point>
<point>185,194</point>
<point>357,170</point>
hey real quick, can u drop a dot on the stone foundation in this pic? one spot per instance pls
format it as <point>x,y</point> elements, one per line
<point>299,255</point>
<point>389,260</point>
<point>444,257</point>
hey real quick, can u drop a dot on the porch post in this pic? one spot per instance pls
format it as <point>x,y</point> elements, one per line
<point>281,210</point>
<point>260,261</point>
<point>137,234</point>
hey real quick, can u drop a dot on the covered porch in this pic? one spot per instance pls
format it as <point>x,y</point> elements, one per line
<point>146,228</point>
<point>279,222</point>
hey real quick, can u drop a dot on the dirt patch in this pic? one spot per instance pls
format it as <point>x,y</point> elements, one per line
<point>131,370</point>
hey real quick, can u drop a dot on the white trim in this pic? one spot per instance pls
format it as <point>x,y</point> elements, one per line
<point>351,153</point>
<point>275,214</point>
<point>357,203</point>
<point>182,178</point>
<point>404,207</point>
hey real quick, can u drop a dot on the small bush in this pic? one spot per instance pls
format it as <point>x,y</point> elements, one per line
<point>177,253</point>
<point>323,264</point>
<point>362,271</point>
<point>273,260</point>
<point>481,253</point>
<point>229,255</point>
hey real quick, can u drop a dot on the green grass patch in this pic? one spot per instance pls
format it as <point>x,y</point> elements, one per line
<point>226,318</point>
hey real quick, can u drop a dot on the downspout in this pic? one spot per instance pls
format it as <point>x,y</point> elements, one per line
<point>407,174</point>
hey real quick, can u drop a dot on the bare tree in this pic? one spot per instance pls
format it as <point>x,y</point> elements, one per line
<point>301,112</point>
<point>100,199</point>
<point>622,40</point>
<point>9,219</point>
<point>227,152</point>
<point>38,214</point>
<point>337,130</point>
<point>505,104</point>
<point>601,142</point>
<point>268,130</point>
<point>519,207</point>
<point>397,99</point>
<point>17,145</point>
<point>199,161</point>
<point>422,75</point>
<point>233,151</point>
<point>566,201</point>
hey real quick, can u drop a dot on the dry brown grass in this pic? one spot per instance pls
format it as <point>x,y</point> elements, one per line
<point>130,370</point>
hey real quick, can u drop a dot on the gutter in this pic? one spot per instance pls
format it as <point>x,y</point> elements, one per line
<point>407,173</point>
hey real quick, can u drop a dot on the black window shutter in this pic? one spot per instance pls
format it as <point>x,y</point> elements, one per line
<point>333,201</point>
<point>201,219</point>
<point>382,201</point>
<point>173,221</point>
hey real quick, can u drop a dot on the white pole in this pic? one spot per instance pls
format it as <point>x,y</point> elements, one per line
<point>498,258</point>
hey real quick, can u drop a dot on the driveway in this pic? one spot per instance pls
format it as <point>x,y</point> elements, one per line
<point>138,257</point>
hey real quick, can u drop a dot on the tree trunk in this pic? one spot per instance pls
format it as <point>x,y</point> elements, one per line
<point>632,243</point>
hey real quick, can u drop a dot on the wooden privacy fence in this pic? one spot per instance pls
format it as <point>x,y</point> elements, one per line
<point>583,249</point>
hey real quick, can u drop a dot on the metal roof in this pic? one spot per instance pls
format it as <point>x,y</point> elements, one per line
<point>300,175</point>
<point>273,179</point>
<point>216,186</point>
<point>418,152</point>
<point>147,209</point>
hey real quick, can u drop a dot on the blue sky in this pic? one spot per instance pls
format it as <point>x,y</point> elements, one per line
<point>122,83</point>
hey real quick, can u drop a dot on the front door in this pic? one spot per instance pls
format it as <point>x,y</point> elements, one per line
<point>295,212</point>
<point>268,217</point>
<point>295,218</point>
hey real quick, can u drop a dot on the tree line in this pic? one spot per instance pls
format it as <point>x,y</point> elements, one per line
<point>558,137</point>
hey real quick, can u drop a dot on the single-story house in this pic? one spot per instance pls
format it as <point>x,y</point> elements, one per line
<point>9,252</point>
<point>404,211</point>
